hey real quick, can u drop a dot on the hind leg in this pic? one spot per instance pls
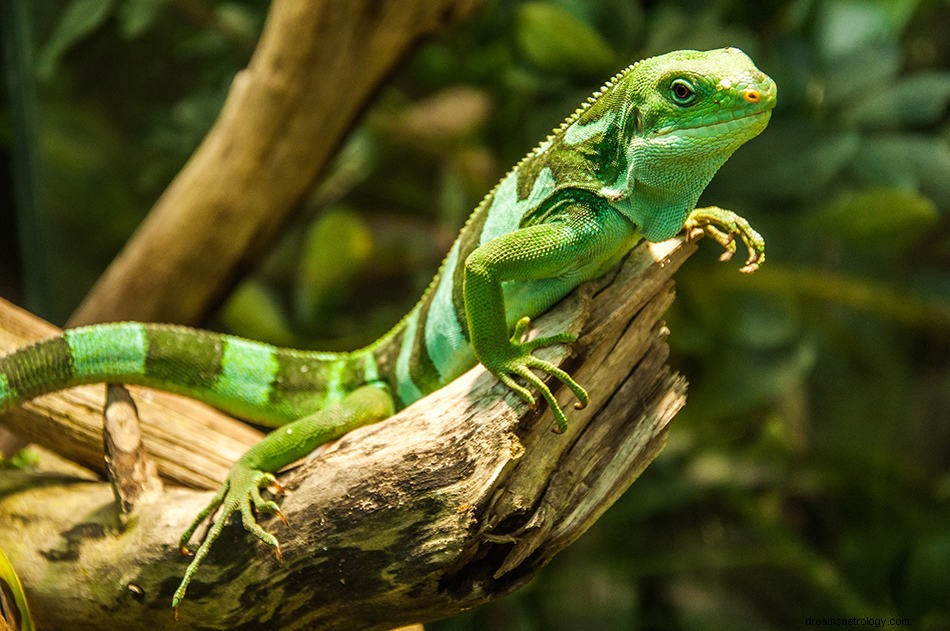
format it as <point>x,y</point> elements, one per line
<point>255,469</point>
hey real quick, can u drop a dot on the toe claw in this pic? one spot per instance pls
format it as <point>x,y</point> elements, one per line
<point>709,218</point>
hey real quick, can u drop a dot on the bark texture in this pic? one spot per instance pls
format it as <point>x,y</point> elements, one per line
<point>457,500</point>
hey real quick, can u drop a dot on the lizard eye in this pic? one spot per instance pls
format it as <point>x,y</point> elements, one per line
<point>682,92</point>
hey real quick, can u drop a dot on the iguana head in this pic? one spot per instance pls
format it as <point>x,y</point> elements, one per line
<point>693,103</point>
<point>686,112</point>
<point>696,103</point>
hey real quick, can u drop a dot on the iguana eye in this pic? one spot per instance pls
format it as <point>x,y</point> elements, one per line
<point>682,92</point>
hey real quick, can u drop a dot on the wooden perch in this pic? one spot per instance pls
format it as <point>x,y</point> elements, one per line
<point>455,501</point>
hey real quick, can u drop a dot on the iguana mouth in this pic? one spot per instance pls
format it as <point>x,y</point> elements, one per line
<point>717,127</point>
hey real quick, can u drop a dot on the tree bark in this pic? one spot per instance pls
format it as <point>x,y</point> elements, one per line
<point>314,69</point>
<point>455,501</point>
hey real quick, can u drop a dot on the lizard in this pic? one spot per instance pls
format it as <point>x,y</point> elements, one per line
<point>630,163</point>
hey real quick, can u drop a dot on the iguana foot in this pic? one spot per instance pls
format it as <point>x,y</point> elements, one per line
<point>518,361</point>
<point>240,493</point>
<point>711,218</point>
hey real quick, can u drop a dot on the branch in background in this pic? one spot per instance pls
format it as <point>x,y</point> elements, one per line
<point>314,69</point>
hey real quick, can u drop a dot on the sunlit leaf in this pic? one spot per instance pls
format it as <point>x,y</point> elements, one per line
<point>254,311</point>
<point>81,18</point>
<point>12,599</point>
<point>135,16</point>
<point>335,248</point>
<point>556,40</point>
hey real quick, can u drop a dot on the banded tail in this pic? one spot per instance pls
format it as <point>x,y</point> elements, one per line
<point>253,380</point>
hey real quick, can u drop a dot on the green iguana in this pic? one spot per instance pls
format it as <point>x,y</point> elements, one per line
<point>630,163</point>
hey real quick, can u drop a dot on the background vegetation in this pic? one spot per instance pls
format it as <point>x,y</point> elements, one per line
<point>808,475</point>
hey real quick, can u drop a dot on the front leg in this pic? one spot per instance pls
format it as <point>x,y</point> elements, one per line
<point>255,470</point>
<point>711,218</point>
<point>567,249</point>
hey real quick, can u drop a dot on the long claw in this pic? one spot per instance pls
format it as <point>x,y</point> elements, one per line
<point>280,515</point>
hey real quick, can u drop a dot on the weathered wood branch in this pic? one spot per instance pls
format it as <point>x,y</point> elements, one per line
<point>455,501</point>
<point>314,69</point>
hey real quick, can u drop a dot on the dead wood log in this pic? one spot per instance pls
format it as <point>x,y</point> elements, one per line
<point>455,501</point>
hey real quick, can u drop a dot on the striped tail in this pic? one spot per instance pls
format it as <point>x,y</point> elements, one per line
<point>253,380</point>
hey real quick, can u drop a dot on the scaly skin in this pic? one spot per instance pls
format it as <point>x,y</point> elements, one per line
<point>630,163</point>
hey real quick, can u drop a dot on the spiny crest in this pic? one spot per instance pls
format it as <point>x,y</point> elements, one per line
<point>591,100</point>
<point>541,146</point>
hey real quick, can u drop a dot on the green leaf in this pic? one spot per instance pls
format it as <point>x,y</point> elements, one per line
<point>135,16</point>
<point>336,247</point>
<point>881,217</point>
<point>916,162</point>
<point>847,25</point>
<point>743,381</point>
<point>81,18</point>
<point>927,575</point>
<point>919,99</point>
<point>864,71</point>
<point>254,311</point>
<point>554,39</point>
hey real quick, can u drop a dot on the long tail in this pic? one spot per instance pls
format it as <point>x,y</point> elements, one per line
<point>253,380</point>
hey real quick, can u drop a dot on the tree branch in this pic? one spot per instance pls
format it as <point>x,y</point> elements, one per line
<point>316,65</point>
<point>455,501</point>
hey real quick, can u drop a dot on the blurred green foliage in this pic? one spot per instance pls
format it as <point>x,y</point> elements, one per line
<point>808,475</point>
